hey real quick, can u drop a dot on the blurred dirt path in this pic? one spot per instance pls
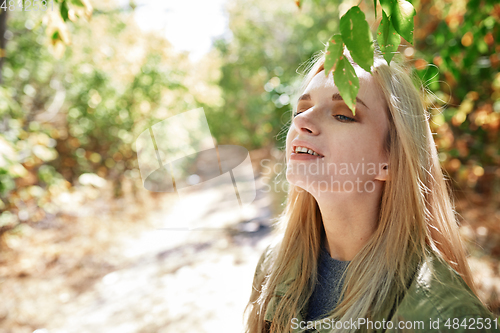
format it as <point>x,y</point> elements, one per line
<point>179,280</point>
<point>164,279</point>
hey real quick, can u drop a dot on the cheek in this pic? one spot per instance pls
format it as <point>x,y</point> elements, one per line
<point>344,147</point>
<point>364,146</point>
<point>289,137</point>
<point>371,146</point>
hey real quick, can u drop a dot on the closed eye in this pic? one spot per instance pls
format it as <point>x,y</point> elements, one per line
<point>339,117</point>
<point>295,114</point>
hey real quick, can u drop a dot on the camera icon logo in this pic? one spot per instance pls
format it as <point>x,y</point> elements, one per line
<point>178,154</point>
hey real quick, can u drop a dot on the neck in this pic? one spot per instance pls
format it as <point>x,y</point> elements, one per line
<point>349,219</point>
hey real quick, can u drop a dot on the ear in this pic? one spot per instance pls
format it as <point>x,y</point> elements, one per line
<point>383,172</point>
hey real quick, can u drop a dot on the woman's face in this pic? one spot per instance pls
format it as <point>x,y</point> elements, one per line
<point>351,155</point>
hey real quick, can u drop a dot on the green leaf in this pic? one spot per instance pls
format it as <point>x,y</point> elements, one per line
<point>375,8</point>
<point>77,3</point>
<point>64,10</point>
<point>334,49</point>
<point>347,82</point>
<point>402,19</point>
<point>387,37</point>
<point>387,6</point>
<point>357,37</point>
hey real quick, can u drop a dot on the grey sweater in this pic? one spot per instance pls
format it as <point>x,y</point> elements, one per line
<point>327,290</point>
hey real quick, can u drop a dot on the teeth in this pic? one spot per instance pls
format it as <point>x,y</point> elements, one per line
<point>305,150</point>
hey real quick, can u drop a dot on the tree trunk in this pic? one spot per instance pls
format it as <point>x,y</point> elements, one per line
<point>3,41</point>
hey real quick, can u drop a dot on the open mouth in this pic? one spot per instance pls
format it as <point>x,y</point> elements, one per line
<point>305,150</point>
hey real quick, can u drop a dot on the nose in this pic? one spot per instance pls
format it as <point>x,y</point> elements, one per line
<point>307,122</point>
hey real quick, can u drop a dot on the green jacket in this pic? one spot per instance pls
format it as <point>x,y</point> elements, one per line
<point>438,300</point>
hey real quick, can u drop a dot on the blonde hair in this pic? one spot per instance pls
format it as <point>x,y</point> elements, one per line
<point>416,213</point>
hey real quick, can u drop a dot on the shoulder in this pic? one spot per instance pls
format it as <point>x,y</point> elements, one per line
<point>262,266</point>
<point>267,256</point>
<point>439,294</point>
<point>259,269</point>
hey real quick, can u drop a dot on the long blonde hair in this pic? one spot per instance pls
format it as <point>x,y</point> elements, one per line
<point>416,212</point>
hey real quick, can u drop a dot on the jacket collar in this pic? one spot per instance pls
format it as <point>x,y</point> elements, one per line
<point>422,271</point>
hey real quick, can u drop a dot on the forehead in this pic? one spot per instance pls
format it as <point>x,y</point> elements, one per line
<point>322,86</point>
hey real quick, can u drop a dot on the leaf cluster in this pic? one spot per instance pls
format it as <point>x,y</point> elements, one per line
<point>355,35</point>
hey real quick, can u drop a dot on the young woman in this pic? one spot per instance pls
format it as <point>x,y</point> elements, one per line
<point>368,240</point>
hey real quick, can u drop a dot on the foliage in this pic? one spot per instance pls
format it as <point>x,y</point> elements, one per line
<point>81,114</point>
<point>65,11</point>
<point>62,119</point>
<point>457,47</point>
<point>259,64</point>
<point>397,20</point>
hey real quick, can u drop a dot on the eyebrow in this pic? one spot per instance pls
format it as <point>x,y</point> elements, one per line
<point>335,97</point>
